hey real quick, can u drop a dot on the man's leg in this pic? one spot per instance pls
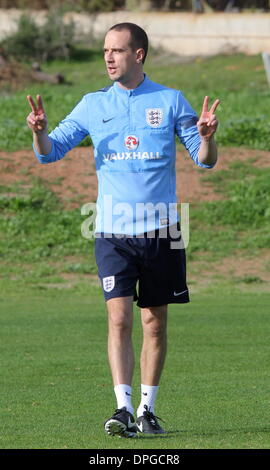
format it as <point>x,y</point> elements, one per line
<point>154,323</point>
<point>121,360</point>
<point>118,273</point>
<point>120,348</point>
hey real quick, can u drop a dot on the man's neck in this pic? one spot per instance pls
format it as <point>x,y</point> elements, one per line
<point>131,84</point>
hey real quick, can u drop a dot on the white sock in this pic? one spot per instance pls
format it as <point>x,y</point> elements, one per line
<point>123,394</point>
<point>148,397</point>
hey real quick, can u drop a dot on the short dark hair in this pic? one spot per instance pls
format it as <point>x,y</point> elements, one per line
<point>139,37</point>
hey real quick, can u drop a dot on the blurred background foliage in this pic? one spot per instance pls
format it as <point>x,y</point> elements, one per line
<point>164,5</point>
<point>52,40</point>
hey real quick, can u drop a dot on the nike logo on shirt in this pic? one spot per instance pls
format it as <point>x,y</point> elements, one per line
<point>107,120</point>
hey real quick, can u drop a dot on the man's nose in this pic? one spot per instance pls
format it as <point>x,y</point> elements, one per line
<point>109,56</point>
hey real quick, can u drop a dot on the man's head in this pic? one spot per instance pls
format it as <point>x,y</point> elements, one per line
<point>125,50</point>
<point>138,37</point>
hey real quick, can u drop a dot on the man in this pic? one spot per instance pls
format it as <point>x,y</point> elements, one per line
<point>133,124</point>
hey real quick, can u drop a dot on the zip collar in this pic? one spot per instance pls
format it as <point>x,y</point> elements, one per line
<point>141,88</point>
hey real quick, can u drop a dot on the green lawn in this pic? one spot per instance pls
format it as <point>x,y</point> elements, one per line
<point>56,387</point>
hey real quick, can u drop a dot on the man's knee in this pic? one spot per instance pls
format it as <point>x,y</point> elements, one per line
<point>119,321</point>
<point>119,314</point>
<point>154,321</point>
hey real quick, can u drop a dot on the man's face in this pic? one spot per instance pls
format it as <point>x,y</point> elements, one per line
<point>121,61</point>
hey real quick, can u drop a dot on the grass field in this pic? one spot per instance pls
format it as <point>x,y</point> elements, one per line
<point>56,389</point>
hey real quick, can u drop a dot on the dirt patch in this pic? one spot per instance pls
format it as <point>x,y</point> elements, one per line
<point>248,273</point>
<point>74,179</point>
<point>13,75</point>
<point>248,270</point>
<point>16,75</point>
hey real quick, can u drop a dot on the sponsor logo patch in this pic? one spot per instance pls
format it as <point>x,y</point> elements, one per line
<point>131,142</point>
<point>131,156</point>
<point>154,116</point>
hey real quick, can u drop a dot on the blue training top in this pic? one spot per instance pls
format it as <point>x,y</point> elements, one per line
<point>133,133</point>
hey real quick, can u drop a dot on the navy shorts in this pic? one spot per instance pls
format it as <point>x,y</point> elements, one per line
<point>147,268</point>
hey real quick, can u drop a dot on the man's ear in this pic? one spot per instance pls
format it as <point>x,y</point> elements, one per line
<point>140,55</point>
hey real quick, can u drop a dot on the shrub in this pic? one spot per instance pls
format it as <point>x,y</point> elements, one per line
<point>54,39</point>
<point>22,43</point>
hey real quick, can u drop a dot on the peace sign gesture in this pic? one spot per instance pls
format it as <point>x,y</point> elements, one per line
<point>37,120</point>
<point>207,124</point>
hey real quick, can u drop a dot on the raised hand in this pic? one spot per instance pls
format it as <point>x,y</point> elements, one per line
<point>207,124</point>
<point>37,120</point>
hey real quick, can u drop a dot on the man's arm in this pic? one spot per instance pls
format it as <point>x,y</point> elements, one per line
<point>69,132</point>
<point>42,142</point>
<point>208,152</point>
<point>207,126</point>
<point>38,123</point>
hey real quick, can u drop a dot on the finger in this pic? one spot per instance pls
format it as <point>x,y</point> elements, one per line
<point>40,104</point>
<point>40,117</point>
<point>212,123</point>
<point>31,118</point>
<point>214,106</point>
<point>32,104</point>
<point>31,122</point>
<point>205,105</point>
<point>211,119</point>
<point>202,121</point>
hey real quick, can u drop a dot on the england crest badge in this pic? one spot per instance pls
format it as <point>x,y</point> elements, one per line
<point>154,116</point>
<point>108,283</point>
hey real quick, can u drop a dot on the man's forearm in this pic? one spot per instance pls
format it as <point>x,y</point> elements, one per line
<point>208,151</point>
<point>42,142</point>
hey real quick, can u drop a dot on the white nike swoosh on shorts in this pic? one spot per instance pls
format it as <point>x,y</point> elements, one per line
<point>179,293</point>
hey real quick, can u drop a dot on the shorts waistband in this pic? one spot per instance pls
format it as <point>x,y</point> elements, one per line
<point>170,231</point>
